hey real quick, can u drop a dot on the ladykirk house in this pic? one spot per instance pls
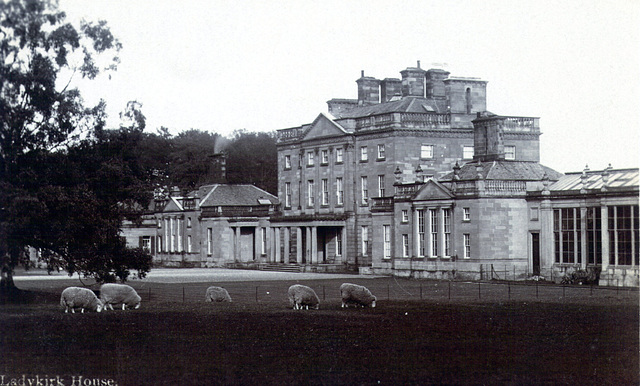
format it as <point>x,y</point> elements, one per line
<point>414,178</point>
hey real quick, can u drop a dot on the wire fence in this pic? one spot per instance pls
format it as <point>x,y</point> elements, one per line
<point>393,289</point>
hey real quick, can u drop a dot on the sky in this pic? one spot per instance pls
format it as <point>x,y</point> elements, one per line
<point>221,66</point>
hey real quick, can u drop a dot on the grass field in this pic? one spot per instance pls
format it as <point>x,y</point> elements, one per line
<point>402,341</point>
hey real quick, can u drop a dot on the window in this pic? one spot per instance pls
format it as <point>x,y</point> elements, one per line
<point>310,197</point>
<point>386,236</point>
<point>405,215</point>
<point>209,241</point>
<point>324,157</point>
<point>339,152</point>
<point>325,191</point>
<point>623,235</point>
<point>433,213</point>
<point>466,214</point>
<point>426,151</point>
<point>188,222</point>
<point>594,236</point>
<point>421,233</point>
<point>146,243</point>
<point>263,240</point>
<point>467,152</point>
<point>364,156</point>
<point>567,235</point>
<point>467,245</point>
<point>365,189</point>
<point>339,191</point>
<point>533,213</point>
<point>446,219</point>
<point>189,244</point>
<point>510,152</point>
<point>287,195</point>
<point>365,239</point>
<point>310,160</point>
<point>381,186</point>
<point>159,246</point>
<point>381,152</point>
<point>339,243</point>
<point>287,162</point>
<point>467,97</point>
<point>159,224</point>
<point>405,245</point>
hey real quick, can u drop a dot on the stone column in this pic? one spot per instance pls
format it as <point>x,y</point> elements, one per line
<point>307,250</point>
<point>344,244</point>
<point>604,214</point>
<point>314,245</point>
<point>285,252</point>
<point>299,245</point>
<point>276,241</point>
<point>236,245</point>
<point>416,233</point>
<point>441,248</point>
<point>427,233</point>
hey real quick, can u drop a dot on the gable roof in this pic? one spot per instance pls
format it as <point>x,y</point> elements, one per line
<point>173,205</point>
<point>433,190</point>
<point>322,126</point>
<point>235,195</point>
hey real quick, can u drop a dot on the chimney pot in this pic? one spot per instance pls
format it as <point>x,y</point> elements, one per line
<point>418,64</point>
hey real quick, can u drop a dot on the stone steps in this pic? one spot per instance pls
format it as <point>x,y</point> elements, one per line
<point>282,267</point>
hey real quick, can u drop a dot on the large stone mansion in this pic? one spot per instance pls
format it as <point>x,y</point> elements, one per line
<point>413,178</point>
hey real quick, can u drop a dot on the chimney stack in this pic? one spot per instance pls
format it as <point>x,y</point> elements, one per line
<point>368,90</point>
<point>488,137</point>
<point>413,79</point>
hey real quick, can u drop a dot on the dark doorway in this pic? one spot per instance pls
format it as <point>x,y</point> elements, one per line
<point>535,252</point>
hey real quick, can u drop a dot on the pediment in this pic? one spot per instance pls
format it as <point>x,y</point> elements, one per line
<point>433,190</point>
<point>321,127</point>
<point>173,206</point>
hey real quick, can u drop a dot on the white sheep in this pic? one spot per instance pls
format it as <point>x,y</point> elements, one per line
<point>111,293</point>
<point>301,296</point>
<point>353,294</point>
<point>217,294</point>
<point>78,297</point>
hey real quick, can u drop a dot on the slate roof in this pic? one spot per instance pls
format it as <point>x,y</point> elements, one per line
<point>405,105</point>
<point>505,170</point>
<point>619,179</point>
<point>234,195</point>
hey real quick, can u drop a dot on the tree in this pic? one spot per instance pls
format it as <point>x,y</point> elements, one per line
<point>44,128</point>
<point>253,158</point>
<point>191,158</point>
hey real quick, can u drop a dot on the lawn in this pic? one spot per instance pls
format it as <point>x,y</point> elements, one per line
<point>399,342</point>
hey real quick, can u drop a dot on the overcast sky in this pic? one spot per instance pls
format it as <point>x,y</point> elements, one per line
<point>267,65</point>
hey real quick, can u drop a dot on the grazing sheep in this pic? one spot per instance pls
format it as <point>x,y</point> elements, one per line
<point>302,296</point>
<point>357,295</point>
<point>217,294</point>
<point>77,297</point>
<point>111,293</point>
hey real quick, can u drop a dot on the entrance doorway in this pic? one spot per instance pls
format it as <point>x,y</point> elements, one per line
<point>535,252</point>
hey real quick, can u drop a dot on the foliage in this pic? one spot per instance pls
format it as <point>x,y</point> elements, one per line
<point>252,158</point>
<point>65,182</point>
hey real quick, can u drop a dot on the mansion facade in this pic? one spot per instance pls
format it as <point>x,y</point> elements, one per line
<point>413,178</point>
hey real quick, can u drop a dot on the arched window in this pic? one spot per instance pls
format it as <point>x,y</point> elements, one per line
<point>468,100</point>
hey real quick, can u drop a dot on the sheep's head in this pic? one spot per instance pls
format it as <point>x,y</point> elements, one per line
<point>99,306</point>
<point>373,303</point>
